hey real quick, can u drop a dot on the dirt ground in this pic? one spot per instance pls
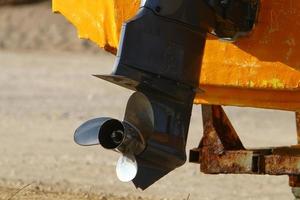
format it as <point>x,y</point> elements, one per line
<point>46,93</point>
<point>35,27</point>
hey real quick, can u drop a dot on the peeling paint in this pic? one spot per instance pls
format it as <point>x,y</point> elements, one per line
<point>276,83</point>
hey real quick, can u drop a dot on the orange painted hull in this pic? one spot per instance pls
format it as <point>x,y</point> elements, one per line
<point>262,70</point>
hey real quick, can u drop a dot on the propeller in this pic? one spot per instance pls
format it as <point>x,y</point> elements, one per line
<point>114,135</point>
<point>127,137</point>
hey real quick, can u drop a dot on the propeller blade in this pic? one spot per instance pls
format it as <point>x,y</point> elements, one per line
<point>88,133</point>
<point>127,168</point>
<point>139,113</point>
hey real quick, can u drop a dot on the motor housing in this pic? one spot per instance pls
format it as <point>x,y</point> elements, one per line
<point>160,57</point>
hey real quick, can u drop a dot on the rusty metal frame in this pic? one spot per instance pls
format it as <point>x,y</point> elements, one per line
<point>222,152</point>
<point>294,180</point>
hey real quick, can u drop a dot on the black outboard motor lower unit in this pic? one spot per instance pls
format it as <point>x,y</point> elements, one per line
<point>160,58</point>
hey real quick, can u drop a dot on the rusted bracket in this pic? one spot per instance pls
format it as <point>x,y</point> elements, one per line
<point>294,180</point>
<point>222,152</point>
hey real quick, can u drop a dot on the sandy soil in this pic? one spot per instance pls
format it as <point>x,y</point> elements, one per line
<point>31,192</point>
<point>35,27</point>
<point>44,98</point>
<point>46,94</point>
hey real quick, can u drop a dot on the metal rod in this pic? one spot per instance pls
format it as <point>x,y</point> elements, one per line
<point>295,180</point>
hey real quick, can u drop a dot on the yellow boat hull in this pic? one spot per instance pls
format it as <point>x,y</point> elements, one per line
<point>262,70</point>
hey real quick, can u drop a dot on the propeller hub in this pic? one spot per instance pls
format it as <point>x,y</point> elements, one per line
<point>117,137</point>
<point>111,134</point>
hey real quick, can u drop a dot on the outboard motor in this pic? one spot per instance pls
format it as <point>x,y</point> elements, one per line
<point>160,57</point>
